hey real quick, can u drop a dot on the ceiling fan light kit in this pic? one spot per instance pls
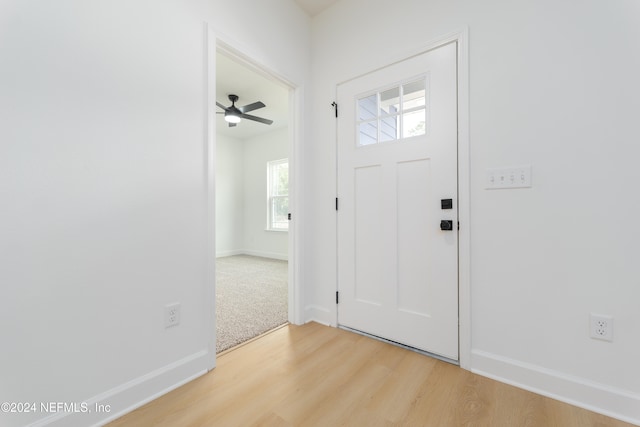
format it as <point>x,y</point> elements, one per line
<point>233,115</point>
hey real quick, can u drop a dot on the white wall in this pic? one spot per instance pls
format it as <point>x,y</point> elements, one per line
<point>258,151</point>
<point>102,188</point>
<point>229,195</point>
<point>554,85</point>
<point>241,195</point>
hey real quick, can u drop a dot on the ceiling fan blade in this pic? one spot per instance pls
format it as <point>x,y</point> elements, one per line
<point>256,119</point>
<point>251,107</point>
<point>221,106</point>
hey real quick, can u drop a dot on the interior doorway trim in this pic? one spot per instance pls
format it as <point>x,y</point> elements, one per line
<point>216,42</point>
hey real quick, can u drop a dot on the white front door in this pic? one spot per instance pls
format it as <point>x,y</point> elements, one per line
<point>397,174</point>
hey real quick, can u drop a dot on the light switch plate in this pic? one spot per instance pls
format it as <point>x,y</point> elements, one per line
<point>513,177</point>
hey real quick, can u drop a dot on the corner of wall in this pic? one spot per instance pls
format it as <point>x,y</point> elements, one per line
<point>316,313</point>
<point>600,398</point>
<point>123,399</point>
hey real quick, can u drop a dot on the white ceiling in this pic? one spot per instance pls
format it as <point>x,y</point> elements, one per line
<point>313,7</point>
<point>250,86</point>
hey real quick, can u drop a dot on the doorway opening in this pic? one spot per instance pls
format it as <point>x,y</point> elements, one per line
<point>253,200</point>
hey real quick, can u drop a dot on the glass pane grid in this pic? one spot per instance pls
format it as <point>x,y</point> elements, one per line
<point>392,114</point>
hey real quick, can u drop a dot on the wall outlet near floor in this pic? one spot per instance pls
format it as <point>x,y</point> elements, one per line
<point>171,315</point>
<point>601,326</point>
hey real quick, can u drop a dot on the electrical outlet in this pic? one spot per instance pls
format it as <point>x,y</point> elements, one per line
<point>171,315</point>
<point>601,327</point>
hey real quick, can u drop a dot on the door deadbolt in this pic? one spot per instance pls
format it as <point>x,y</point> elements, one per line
<point>446,225</point>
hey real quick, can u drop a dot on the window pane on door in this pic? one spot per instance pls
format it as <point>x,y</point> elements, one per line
<point>367,107</point>
<point>390,101</point>
<point>389,128</point>
<point>368,133</point>
<point>413,95</point>
<point>414,123</point>
<point>393,113</point>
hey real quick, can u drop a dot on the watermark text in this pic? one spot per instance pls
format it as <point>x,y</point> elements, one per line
<point>54,407</point>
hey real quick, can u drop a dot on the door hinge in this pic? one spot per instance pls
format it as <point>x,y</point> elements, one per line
<point>458,225</point>
<point>337,297</point>
<point>335,107</point>
<point>336,203</point>
<point>289,216</point>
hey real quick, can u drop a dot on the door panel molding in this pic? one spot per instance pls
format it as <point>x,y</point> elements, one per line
<point>389,227</point>
<point>461,37</point>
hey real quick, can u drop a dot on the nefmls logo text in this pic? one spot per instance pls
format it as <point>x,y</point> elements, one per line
<point>69,407</point>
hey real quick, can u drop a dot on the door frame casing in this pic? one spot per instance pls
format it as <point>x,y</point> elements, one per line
<point>214,42</point>
<point>461,37</point>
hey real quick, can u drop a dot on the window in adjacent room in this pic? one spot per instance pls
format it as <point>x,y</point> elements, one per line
<point>278,195</point>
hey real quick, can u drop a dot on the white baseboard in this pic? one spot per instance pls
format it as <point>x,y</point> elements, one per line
<point>131,395</point>
<point>272,255</point>
<point>223,254</point>
<point>316,313</point>
<point>600,398</point>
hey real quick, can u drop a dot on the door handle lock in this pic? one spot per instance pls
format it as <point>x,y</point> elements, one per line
<point>446,203</point>
<point>446,225</point>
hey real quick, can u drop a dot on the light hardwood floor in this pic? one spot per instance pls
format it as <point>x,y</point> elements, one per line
<point>314,375</point>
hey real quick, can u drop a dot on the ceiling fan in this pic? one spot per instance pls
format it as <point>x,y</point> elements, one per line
<point>233,114</point>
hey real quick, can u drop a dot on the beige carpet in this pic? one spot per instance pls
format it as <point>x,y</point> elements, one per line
<point>251,298</point>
